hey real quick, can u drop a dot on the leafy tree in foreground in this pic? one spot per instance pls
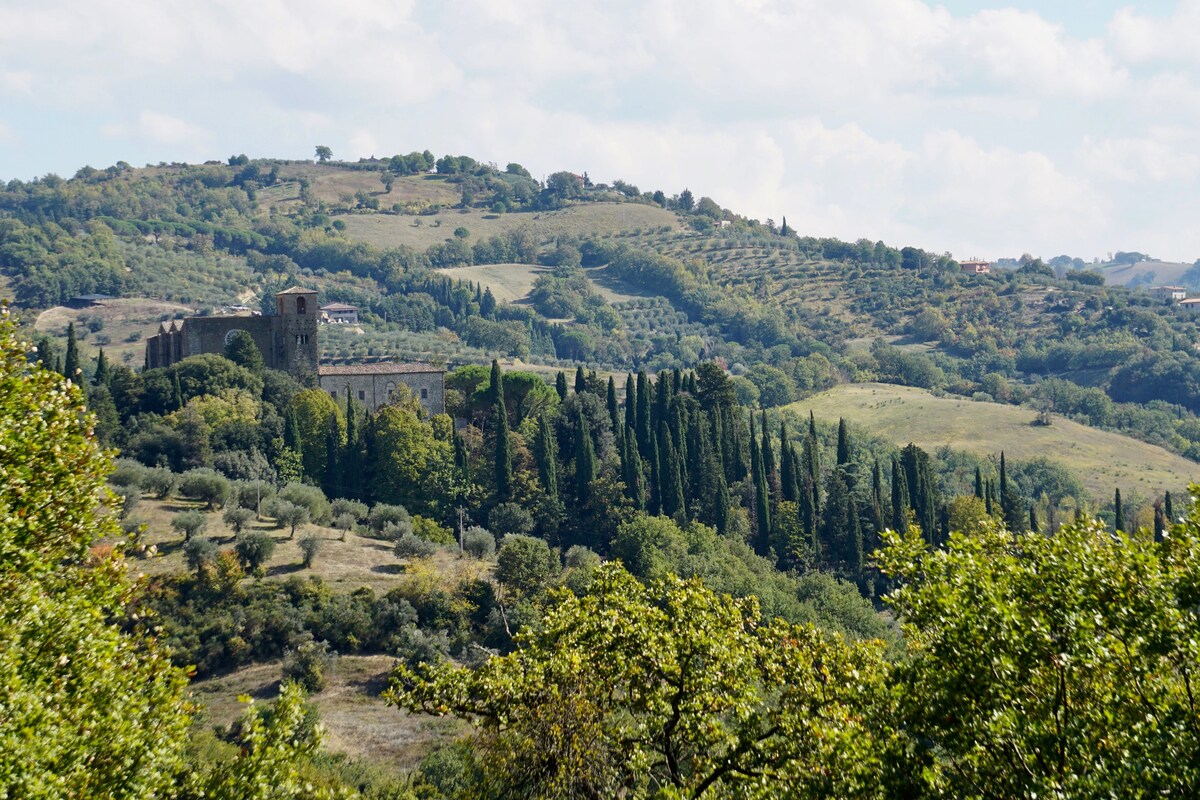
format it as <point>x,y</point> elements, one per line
<point>665,690</point>
<point>88,711</point>
<point>1053,666</point>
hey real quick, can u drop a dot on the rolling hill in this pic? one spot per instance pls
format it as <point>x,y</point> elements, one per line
<point>1102,460</point>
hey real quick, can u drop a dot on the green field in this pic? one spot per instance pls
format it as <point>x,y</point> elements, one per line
<point>422,232</point>
<point>1102,460</point>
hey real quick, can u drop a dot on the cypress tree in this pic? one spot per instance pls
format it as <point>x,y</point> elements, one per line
<point>503,464</point>
<point>843,444</point>
<point>841,534</point>
<point>560,385</point>
<point>631,473</point>
<point>899,497</point>
<point>1168,509</point>
<point>332,483</point>
<point>877,503</point>
<point>351,459</point>
<point>655,494</point>
<point>614,414</point>
<point>768,451</point>
<point>1160,523</point>
<point>580,380</point>
<point>1010,502</point>
<point>102,375</point>
<point>291,431</point>
<point>762,503</point>
<point>1033,520</point>
<point>978,483</point>
<point>71,362</point>
<point>990,497</point>
<point>811,464</point>
<point>673,501</point>
<point>788,486</point>
<point>677,382</point>
<point>642,419</point>
<point>176,390</point>
<point>662,400</point>
<point>461,459</point>
<point>1118,513</point>
<point>545,453</point>
<point>630,407</point>
<point>585,461</point>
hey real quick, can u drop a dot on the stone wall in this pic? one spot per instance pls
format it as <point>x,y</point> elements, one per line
<point>371,388</point>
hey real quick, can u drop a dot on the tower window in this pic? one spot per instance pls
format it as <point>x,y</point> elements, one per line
<point>362,395</point>
<point>333,394</point>
<point>301,305</point>
<point>424,394</point>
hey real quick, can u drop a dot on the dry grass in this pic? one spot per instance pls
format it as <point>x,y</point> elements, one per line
<point>390,230</point>
<point>330,183</point>
<point>513,282</point>
<point>1102,460</point>
<point>357,722</point>
<point>122,317</point>
<point>344,565</point>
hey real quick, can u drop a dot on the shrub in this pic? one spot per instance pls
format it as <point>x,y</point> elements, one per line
<point>309,497</point>
<point>430,531</point>
<point>253,549</point>
<point>307,665</point>
<point>236,518</point>
<point>525,564</point>
<point>130,494</point>
<point>409,545</point>
<point>354,508</point>
<point>289,515</point>
<point>384,517</point>
<point>189,523</point>
<point>206,485</point>
<point>310,545</point>
<point>159,481</point>
<point>479,542</point>
<point>198,552</point>
<point>344,523</point>
<point>578,556</point>
<point>127,472</point>
<point>253,494</point>
<point>509,518</point>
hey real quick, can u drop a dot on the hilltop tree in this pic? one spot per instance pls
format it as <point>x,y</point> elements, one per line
<point>323,153</point>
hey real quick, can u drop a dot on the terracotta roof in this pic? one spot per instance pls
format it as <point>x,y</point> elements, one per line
<point>378,368</point>
<point>338,307</point>
<point>1191,301</point>
<point>297,290</point>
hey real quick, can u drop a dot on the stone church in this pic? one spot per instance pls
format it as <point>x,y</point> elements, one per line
<point>288,342</point>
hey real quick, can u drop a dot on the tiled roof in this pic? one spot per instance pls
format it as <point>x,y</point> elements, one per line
<point>378,368</point>
<point>338,307</point>
<point>298,290</point>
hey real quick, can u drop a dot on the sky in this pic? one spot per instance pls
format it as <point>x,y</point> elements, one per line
<point>978,128</point>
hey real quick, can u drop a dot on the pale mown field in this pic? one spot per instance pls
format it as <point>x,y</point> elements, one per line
<point>1103,461</point>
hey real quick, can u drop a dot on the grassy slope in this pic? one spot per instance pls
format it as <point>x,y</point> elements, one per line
<point>357,722</point>
<point>421,232</point>
<point>122,317</point>
<point>1102,460</point>
<point>513,282</point>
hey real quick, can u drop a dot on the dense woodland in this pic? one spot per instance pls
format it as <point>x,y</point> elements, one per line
<point>685,589</point>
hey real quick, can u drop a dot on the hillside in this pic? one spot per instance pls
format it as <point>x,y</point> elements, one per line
<point>1101,460</point>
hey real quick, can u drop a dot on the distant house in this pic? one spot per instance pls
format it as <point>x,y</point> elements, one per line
<point>87,300</point>
<point>339,314</point>
<point>374,385</point>
<point>975,267</point>
<point>1191,304</point>
<point>1168,294</point>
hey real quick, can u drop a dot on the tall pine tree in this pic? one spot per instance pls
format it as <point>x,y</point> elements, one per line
<point>503,464</point>
<point>71,361</point>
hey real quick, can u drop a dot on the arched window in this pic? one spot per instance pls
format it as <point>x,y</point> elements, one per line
<point>301,305</point>
<point>391,391</point>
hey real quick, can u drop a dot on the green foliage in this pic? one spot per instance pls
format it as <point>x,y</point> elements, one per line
<point>198,553</point>
<point>241,350</point>
<point>310,544</point>
<point>189,523</point>
<point>307,665</point>
<point>89,710</point>
<point>1069,655</point>
<point>525,565</point>
<point>254,549</point>
<point>237,518</point>
<point>634,690</point>
<point>479,542</point>
<point>205,485</point>
<point>409,545</point>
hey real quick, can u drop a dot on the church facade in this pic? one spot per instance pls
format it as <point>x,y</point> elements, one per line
<point>287,338</point>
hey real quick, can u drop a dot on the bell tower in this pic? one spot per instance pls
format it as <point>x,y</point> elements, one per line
<point>296,309</point>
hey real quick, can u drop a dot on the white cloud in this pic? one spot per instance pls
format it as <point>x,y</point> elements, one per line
<point>1141,38</point>
<point>17,81</point>
<point>158,128</point>
<point>1166,155</point>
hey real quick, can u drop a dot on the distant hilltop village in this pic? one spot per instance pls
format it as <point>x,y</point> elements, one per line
<point>288,342</point>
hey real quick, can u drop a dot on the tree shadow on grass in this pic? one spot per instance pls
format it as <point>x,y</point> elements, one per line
<point>284,569</point>
<point>388,569</point>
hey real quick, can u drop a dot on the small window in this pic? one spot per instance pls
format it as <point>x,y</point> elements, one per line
<point>333,395</point>
<point>424,394</point>
<point>301,305</point>
<point>362,395</point>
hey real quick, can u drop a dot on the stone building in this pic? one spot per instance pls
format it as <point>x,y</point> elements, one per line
<point>339,313</point>
<point>373,385</point>
<point>288,341</point>
<point>287,338</point>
